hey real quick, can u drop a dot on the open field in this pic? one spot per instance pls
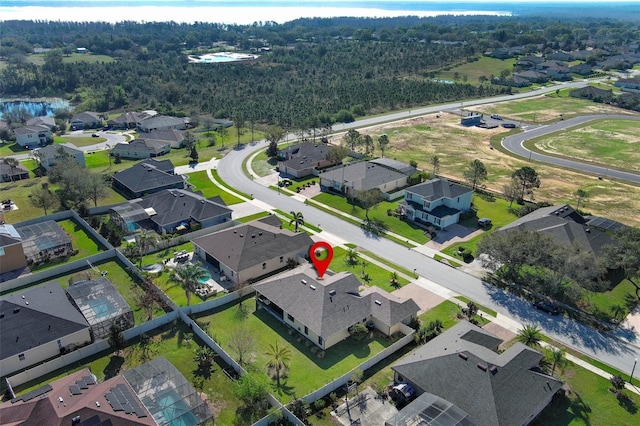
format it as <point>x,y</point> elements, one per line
<point>422,137</point>
<point>307,371</point>
<point>611,143</point>
<point>177,344</point>
<point>484,66</point>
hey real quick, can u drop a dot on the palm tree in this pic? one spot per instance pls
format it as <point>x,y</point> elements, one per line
<point>352,256</point>
<point>190,275</point>
<point>435,162</point>
<point>298,219</point>
<point>394,281</point>
<point>580,194</point>
<point>557,359</point>
<point>12,163</point>
<point>279,359</point>
<point>145,240</point>
<point>383,141</point>
<point>530,335</point>
<point>470,311</point>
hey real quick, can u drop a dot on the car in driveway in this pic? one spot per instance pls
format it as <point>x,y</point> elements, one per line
<point>547,307</point>
<point>496,117</point>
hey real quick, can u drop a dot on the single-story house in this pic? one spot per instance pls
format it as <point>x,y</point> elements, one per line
<point>11,252</point>
<point>141,148</point>
<point>50,122</point>
<point>322,310</point>
<point>101,305</point>
<point>592,93</point>
<point>51,153</point>
<point>37,324</point>
<point>147,177</point>
<point>628,84</point>
<point>86,120</point>
<point>129,120</point>
<point>349,179</point>
<point>44,241</point>
<point>161,122</point>
<point>154,393</point>
<point>398,166</point>
<point>169,211</point>
<point>9,174</point>
<point>34,135</point>
<point>248,251</point>
<point>436,201</point>
<point>174,137</point>
<point>565,225</point>
<point>303,159</point>
<point>509,388</point>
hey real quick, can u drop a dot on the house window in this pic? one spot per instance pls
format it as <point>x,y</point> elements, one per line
<point>458,199</point>
<point>426,205</point>
<point>306,330</point>
<point>21,357</point>
<point>290,317</point>
<point>281,259</point>
<point>408,195</point>
<point>264,266</point>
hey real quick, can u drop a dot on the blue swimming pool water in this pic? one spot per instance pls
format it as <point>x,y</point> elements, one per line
<point>205,279</point>
<point>102,308</point>
<point>174,411</point>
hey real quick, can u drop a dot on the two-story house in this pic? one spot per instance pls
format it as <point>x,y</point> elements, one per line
<point>34,135</point>
<point>436,201</point>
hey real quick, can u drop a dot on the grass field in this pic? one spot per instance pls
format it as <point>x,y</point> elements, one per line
<point>610,143</point>
<point>307,371</point>
<point>201,182</point>
<point>484,66</point>
<point>177,344</point>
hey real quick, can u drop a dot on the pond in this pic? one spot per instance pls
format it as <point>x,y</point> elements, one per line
<point>34,108</point>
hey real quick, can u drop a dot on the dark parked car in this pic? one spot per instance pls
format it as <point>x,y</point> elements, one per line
<point>547,307</point>
<point>95,135</point>
<point>509,125</point>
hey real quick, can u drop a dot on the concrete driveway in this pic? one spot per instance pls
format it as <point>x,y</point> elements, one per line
<point>423,298</point>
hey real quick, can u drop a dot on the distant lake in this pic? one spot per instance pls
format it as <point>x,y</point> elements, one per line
<point>35,108</point>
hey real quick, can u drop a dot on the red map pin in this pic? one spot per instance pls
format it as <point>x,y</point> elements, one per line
<point>321,254</point>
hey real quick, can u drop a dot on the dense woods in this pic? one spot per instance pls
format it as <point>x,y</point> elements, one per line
<point>313,70</point>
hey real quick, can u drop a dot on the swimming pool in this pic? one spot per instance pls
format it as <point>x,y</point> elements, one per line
<point>205,279</point>
<point>173,411</point>
<point>102,308</point>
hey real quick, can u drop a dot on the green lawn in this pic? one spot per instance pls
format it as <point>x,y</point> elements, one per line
<point>226,185</point>
<point>484,66</point>
<point>465,300</point>
<point>11,148</point>
<point>378,276</point>
<point>542,109</point>
<point>201,182</point>
<point>446,312</point>
<point>289,217</point>
<point>80,141</point>
<point>605,300</point>
<point>263,165</point>
<point>307,371</point>
<point>379,212</point>
<point>253,217</point>
<point>177,344</point>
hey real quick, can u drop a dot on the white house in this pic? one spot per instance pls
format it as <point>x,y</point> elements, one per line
<point>34,135</point>
<point>436,201</point>
<point>51,153</point>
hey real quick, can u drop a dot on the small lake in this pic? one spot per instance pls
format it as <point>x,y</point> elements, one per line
<point>35,108</point>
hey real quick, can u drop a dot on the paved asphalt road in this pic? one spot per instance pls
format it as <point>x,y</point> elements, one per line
<point>604,347</point>
<point>514,143</point>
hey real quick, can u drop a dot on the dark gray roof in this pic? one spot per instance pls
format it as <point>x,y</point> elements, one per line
<point>150,146</point>
<point>175,205</point>
<point>47,317</point>
<point>565,226</point>
<point>396,165</point>
<point>34,128</point>
<point>251,244</point>
<point>17,170</point>
<point>362,175</point>
<point>42,121</point>
<point>163,165</point>
<point>437,188</point>
<point>303,155</point>
<point>507,388</point>
<point>171,135</point>
<point>161,121</point>
<point>86,117</point>
<point>145,176</point>
<point>335,303</point>
<point>51,151</point>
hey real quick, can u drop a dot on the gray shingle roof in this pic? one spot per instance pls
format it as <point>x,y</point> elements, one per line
<point>396,165</point>
<point>51,151</point>
<point>42,121</point>
<point>48,316</point>
<point>176,205</point>
<point>335,304</point>
<point>505,391</point>
<point>141,145</point>
<point>34,128</point>
<point>144,176</point>
<point>303,155</point>
<point>251,244</point>
<point>86,117</point>
<point>437,188</point>
<point>362,176</point>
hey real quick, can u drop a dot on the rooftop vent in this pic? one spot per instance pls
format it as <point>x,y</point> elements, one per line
<point>379,303</point>
<point>26,302</point>
<point>259,233</point>
<point>332,293</point>
<point>241,235</point>
<point>463,355</point>
<point>493,369</point>
<point>587,230</point>
<point>16,310</point>
<point>303,282</point>
<point>253,235</point>
<point>1,314</point>
<point>235,231</point>
<point>482,367</point>
<point>23,296</point>
<point>312,287</point>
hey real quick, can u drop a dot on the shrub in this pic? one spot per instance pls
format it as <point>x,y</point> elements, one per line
<point>358,331</point>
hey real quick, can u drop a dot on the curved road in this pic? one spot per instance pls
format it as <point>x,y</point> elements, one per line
<point>515,144</point>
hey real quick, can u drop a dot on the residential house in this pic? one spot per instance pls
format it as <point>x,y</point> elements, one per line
<point>174,137</point>
<point>169,211</point>
<point>581,69</point>
<point>161,122</point>
<point>396,165</point>
<point>592,93</point>
<point>532,76</point>
<point>303,159</point>
<point>529,61</point>
<point>248,251</point>
<point>86,120</point>
<point>50,122</point>
<point>509,388</point>
<point>37,324</point>
<point>152,394</point>
<point>11,253</point>
<point>129,120</point>
<point>559,56</point>
<point>322,310</point>
<point>147,177</point>
<point>436,201</point>
<point>628,84</point>
<point>9,174</point>
<point>32,136</point>
<point>141,148</point>
<point>50,154</point>
<point>565,225</point>
<point>44,241</point>
<point>351,178</point>
<point>101,305</point>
